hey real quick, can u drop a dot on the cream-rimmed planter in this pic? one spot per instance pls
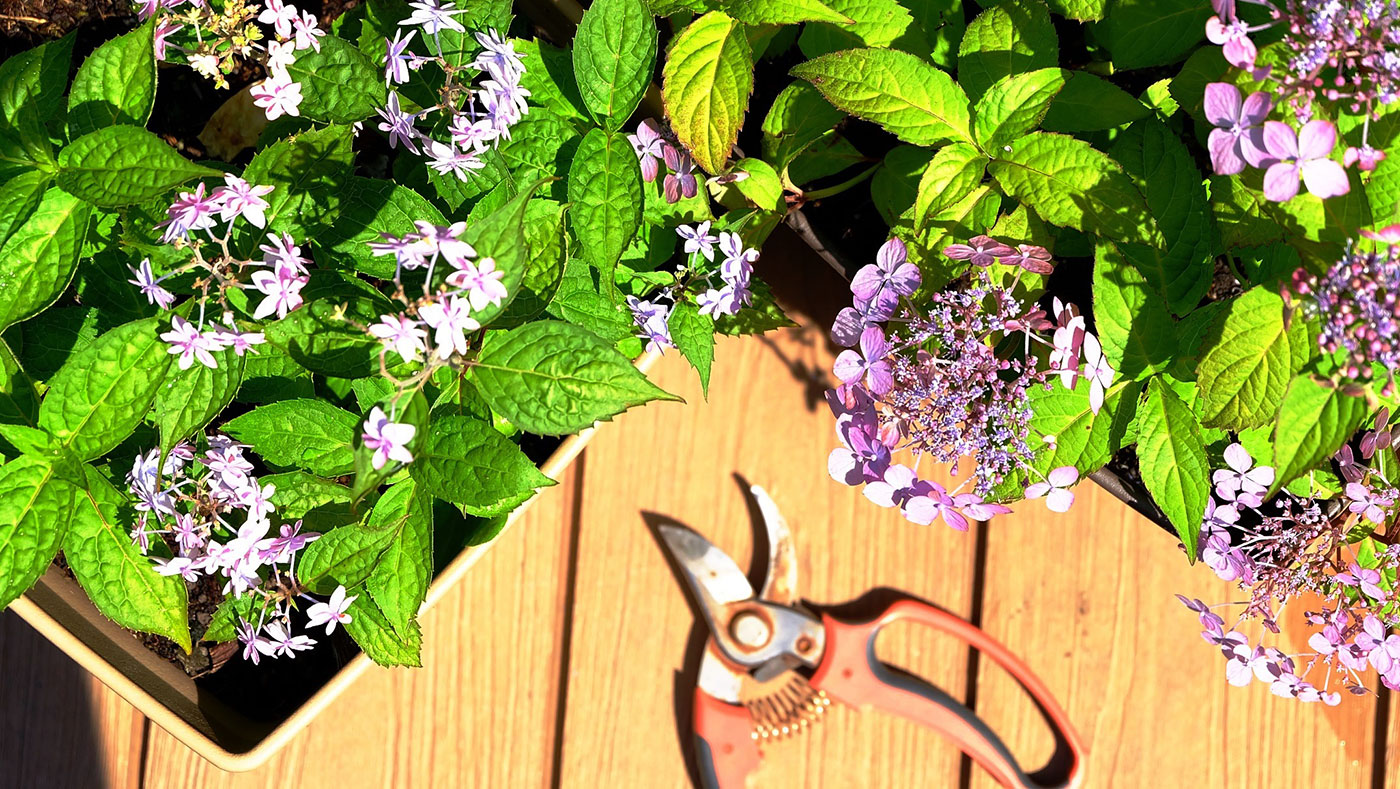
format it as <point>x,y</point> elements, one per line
<point>60,610</point>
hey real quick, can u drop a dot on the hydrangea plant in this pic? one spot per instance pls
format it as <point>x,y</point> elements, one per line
<point>1158,237</point>
<point>299,381</point>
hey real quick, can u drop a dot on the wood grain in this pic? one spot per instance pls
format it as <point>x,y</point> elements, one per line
<point>479,713</point>
<point>1087,598</point>
<point>60,727</point>
<point>631,620</point>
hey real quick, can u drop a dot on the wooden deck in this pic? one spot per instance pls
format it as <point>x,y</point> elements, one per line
<point>561,658</point>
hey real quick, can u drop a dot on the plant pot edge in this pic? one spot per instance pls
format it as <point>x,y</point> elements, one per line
<point>57,607</point>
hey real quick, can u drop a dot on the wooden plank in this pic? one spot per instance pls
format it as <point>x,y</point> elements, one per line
<point>59,726</point>
<point>479,713</point>
<point>628,672</point>
<point>1087,599</point>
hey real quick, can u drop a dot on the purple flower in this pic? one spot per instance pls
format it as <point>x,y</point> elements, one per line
<point>187,341</point>
<point>398,58</point>
<point>681,180</point>
<point>402,334</point>
<point>1291,155</point>
<point>277,97</point>
<point>893,488</point>
<point>283,643</point>
<point>1374,506</point>
<point>652,319</point>
<point>290,539</point>
<point>331,612</point>
<point>1097,370</point>
<point>1367,580</point>
<point>1056,488</point>
<point>1238,138</point>
<point>698,239</point>
<point>498,56</point>
<point>389,440</point>
<point>880,284</point>
<point>281,288</point>
<point>1242,482</point>
<point>648,143</point>
<point>1234,38</point>
<point>482,281</point>
<point>150,286</point>
<point>737,267</point>
<point>451,320</point>
<point>241,198</point>
<point>1068,340</point>
<point>1212,625</point>
<point>280,15</point>
<point>399,124</point>
<point>1365,158</point>
<point>980,251</point>
<point>254,645</point>
<point>975,508</point>
<point>180,566</point>
<point>928,502</point>
<point>869,364</point>
<point>164,30</point>
<point>1031,258</point>
<point>190,211</point>
<point>434,15</point>
<point>862,456</point>
<point>474,134</point>
<point>849,323</point>
<point>407,251</point>
<point>448,160</point>
<point>283,251</point>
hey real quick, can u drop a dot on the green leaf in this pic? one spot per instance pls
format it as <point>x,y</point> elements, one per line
<point>400,579</point>
<point>1248,360</point>
<point>371,206</point>
<point>1137,332</point>
<point>694,336</point>
<point>119,580</point>
<point>309,175</point>
<point>31,95</point>
<point>349,555</point>
<point>580,302</point>
<point>1082,10</point>
<point>309,434</point>
<point>895,185</point>
<point>910,98</point>
<point>1083,439</point>
<point>605,188</point>
<point>339,83</point>
<point>323,337</point>
<point>871,23</point>
<point>377,637</point>
<point>1176,196</point>
<point>190,398</point>
<point>103,391</point>
<point>549,76</point>
<point>1314,421</point>
<point>782,12</point>
<point>116,84</point>
<point>19,199</point>
<point>955,171</point>
<point>1010,38</point>
<point>1090,103</point>
<point>706,84</point>
<point>38,260</point>
<point>1015,106</point>
<point>762,186</point>
<point>1172,459</point>
<point>501,236</point>
<point>224,623</point>
<point>36,506</point>
<point>1069,183</point>
<point>467,462</point>
<point>799,117</point>
<point>545,241</point>
<point>1383,191</point>
<point>19,403</point>
<point>553,378</point>
<point>1141,33</point>
<point>322,504</point>
<point>122,165</point>
<point>614,54</point>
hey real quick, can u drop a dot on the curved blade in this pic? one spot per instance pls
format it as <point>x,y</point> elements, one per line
<point>714,578</point>
<point>781,584</point>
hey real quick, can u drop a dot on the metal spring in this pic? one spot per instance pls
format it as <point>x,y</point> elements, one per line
<point>789,711</point>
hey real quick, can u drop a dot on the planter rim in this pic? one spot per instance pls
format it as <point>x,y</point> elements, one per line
<point>59,609</point>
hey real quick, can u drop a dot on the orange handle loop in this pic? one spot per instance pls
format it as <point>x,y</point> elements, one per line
<point>851,674</point>
<point>724,744</point>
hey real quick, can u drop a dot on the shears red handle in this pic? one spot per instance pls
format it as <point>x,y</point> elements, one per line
<point>850,673</point>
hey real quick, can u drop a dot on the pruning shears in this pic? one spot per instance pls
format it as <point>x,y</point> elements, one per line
<point>769,639</point>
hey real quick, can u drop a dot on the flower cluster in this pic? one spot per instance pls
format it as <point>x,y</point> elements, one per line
<point>223,34</point>
<point>474,118</point>
<point>189,506</point>
<point>936,386</point>
<point>1342,53</point>
<point>472,284</point>
<point>1291,546</point>
<point>1242,137</point>
<point>656,146</point>
<point>278,276</point>
<point>1356,303</point>
<point>735,271</point>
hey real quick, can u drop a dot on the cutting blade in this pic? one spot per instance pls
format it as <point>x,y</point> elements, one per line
<point>713,577</point>
<point>780,586</point>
